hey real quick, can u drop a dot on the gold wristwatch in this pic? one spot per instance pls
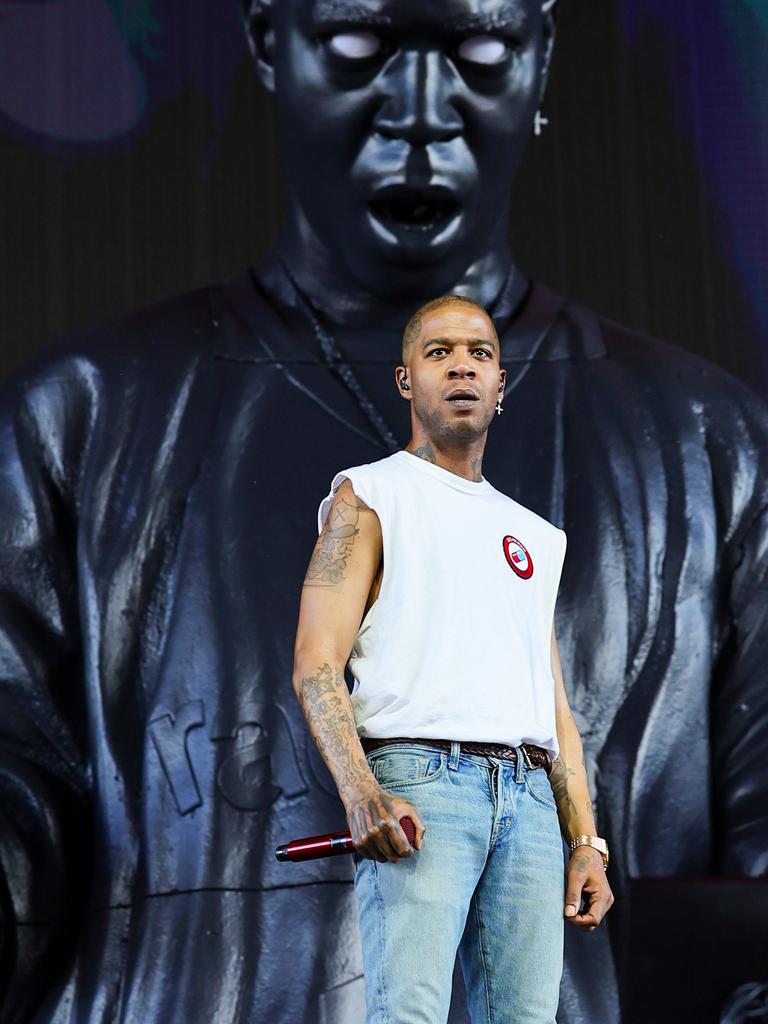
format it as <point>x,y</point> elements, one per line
<point>595,842</point>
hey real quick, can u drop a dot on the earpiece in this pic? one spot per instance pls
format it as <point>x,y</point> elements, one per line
<point>404,385</point>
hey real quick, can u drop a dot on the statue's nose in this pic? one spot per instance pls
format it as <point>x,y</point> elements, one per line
<point>418,87</point>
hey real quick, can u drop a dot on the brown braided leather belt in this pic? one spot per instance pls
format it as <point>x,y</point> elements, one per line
<point>537,757</point>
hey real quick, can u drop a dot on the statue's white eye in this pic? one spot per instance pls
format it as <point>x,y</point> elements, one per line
<point>483,50</point>
<point>355,45</point>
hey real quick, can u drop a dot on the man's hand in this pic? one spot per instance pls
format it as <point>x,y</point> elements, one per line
<point>587,881</point>
<point>374,821</point>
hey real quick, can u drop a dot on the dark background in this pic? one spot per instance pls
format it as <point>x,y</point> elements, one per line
<point>141,159</point>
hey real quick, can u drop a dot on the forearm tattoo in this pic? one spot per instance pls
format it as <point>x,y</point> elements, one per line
<point>558,780</point>
<point>560,776</point>
<point>327,708</point>
<point>334,546</point>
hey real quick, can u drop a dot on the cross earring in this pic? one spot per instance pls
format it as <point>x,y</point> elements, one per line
<point>538,122</point>
<point>499,410</point>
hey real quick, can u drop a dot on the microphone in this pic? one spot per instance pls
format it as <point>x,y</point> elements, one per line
<point>329,845</point>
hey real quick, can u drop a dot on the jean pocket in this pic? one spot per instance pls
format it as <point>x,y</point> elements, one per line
<point>396,767</point>
<point>537,784</point>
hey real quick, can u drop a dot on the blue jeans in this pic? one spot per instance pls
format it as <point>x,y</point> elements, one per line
<point>488,881</point>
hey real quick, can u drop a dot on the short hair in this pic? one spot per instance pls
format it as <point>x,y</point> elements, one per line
<point>413,327</point>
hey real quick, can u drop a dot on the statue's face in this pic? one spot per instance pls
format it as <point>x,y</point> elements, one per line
<point>403,122</point>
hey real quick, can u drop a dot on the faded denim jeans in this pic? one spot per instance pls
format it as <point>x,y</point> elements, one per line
<point>488,882</point>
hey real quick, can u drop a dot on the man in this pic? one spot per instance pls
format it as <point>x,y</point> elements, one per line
<point>153,754</point>
<point>460,647</point>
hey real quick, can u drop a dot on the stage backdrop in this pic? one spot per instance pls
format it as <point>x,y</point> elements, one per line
<point>154,536</point>
<point>139,159</point>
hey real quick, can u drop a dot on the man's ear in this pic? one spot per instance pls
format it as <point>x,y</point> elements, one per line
<point>260,32</point>
<point>401,375</point>
<point>549,19</point>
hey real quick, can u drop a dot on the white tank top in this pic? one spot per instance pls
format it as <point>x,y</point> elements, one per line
<point>457,644</point>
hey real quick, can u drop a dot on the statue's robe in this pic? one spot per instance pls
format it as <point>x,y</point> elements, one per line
<point>159,482</point>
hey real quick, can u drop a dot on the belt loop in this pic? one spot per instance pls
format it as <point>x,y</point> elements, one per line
<point>453,758</point>
<point>519,764</point>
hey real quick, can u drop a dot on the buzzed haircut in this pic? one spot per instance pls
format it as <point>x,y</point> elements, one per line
<point>413,327</point>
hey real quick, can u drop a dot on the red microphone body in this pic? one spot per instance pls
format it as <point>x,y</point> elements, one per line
<point>329,845</point>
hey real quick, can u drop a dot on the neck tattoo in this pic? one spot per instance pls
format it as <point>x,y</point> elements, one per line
<point>427,452</point>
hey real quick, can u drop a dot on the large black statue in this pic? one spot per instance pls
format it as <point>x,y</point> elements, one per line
<point>159,481</point>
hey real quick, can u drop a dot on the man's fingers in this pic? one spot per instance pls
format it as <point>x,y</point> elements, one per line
<point>374,845</point>
<point>419,828</point>
<point>600,902</point>
<point>383,845</point>
<point>404,809</point>
<point>409,811</point>
<point>599,905</point>
<point>573,900</point>
<point>390,840</point>
<point>383,838</point>
<point>584,924</point>
<point>398,839</point>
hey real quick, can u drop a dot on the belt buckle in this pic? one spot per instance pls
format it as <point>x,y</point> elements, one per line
<point>527,758</point>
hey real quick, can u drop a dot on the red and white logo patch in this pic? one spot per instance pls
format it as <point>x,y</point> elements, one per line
<point>518,557</point>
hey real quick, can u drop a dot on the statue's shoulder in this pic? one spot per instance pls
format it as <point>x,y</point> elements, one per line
<point>177,327</point>
<point>699,375</point>
<point>63,390</point>
<point>670,374</point>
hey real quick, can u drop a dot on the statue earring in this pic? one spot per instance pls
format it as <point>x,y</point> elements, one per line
<point>538,123</point>
<point>499,410</point>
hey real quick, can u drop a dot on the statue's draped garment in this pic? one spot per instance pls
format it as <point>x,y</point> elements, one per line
<point>159,480</point>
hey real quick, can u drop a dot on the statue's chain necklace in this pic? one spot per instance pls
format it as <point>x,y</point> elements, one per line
<point>334,360</point>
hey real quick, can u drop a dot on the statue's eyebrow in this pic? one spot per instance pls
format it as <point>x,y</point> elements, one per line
<point>348,11</point>
<point>513,18</point>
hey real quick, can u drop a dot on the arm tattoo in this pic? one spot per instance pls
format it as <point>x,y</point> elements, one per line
<point>334,546</point>
<point>327,708</point>
<point>571,793</point>
<point>559,775</point>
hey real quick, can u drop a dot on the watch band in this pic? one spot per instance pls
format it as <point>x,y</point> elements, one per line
<point>595,842</point>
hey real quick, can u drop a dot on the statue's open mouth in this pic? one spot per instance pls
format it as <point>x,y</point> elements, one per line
<point>420,213</point>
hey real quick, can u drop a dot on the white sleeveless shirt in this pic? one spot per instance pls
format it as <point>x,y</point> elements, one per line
<point>457,644</point>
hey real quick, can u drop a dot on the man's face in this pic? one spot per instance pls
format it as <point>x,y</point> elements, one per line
<point>403,122</point>
<point>454,375</point>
